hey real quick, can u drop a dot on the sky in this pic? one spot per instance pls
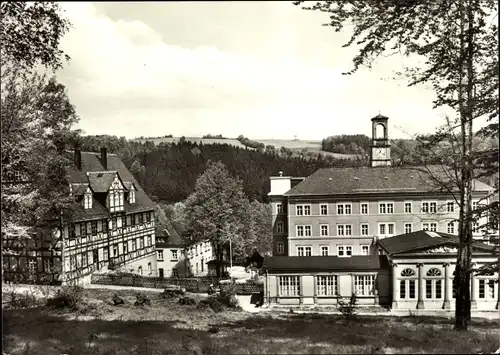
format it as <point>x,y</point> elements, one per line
<point>266,70</point>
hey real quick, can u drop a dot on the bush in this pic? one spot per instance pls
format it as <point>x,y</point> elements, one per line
<point>22,300</point>
<point>227,296</point>
<point>68,297</point>
<point>348,308</point>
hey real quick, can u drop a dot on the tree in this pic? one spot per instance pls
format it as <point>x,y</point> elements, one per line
<point>36,128</point>
<point>216,210</point>
<point>31,32</point>
<point>460,48</point>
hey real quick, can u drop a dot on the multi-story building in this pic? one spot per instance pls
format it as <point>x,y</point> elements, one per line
<point>387,234</point>
<point>202,260</point>
<point>341,211</point>
<point>112,227</point>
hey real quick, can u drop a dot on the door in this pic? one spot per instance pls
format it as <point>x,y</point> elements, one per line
<point>95,258</point>
<point>161,273</point>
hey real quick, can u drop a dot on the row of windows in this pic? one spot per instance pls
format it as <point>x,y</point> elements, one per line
<point>94,227</point>
<point>364,285</point>
<point>199,249</point>
<point>81,260</point>
<point>174,254</point>
<point>342,250</point>
<point>384,229</point>
<point>383,208</point>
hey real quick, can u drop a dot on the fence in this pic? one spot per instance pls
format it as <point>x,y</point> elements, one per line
<point>198,285</point>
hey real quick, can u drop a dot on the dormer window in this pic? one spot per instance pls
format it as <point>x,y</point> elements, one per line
<point>87,201</point>
<point>116,200</point>
<point>131,196</point>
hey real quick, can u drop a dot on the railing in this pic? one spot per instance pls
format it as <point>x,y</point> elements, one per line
<point>198,284</point>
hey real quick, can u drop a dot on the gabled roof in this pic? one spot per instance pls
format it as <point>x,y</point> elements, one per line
<point>164,228</point>
<point>325,263</point>
<point>380,117</point>
<point>91,163</point>
<point>129,185</point>
<point>421,240</point>
<point>79,189</point>
<point>367,180</point>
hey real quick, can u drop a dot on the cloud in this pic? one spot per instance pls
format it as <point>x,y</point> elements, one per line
<point>126,80</point>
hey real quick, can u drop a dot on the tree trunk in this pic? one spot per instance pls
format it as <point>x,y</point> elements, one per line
<point>464,257</point>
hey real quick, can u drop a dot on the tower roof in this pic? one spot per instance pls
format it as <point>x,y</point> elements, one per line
<point>380,117</point>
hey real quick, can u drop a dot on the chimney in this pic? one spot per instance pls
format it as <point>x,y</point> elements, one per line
<point>281,173</point>
<point>104,158</point>
<point>78,158</point>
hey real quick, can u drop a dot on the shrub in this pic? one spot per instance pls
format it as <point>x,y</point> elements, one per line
<point>348,308</point>
<point>68,297</point>
<point>227,296</point>
<point>22,300</point>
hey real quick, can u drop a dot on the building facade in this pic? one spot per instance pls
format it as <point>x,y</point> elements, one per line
<point>113,226</point>
<point>347,215</point>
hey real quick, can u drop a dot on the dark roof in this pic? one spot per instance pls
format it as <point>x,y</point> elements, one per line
<point>101,181</point>
<point>179,227</point>
<point>422,240</point>
<point>366,180</point>
<point>128,185</point>
<point>91,163</point>
<point>79,189</point>
<point>164,228</point>
<point>325,263</point>
<point>380,117</point>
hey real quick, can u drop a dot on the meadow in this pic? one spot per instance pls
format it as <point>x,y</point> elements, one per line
<point>166,327</point>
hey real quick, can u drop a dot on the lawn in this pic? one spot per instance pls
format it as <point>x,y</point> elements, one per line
<point>165,327</point>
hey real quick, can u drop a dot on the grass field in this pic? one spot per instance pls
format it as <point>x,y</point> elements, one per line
<point>165,327</point>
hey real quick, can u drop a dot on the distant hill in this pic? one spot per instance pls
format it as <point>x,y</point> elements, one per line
<point>296,146</point>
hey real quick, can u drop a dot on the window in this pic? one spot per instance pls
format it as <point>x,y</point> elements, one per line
<point>149,241</point>
<point>344,250</point>
<point>450,207</point>
<point>432,207</point>
<point>125,247</point>
<point>85,259</point>
<point>175,272</point>
<point>450,228</point>
<point>140,218</point>
<point>160,254</point>
<point>105,253</point>
<point>47,265</point>
<point>326,285</point>
<point>202,264</point>
<point>307,230</point>
<point>364,229</point>
<point>93,227</point>
<point>344,208</point>
<point>279,227</point>
<point>174,255</point>
<point>114,223</point>
<point>323,209</point>
<point>324,230</point>
<point>32,266</point>
<point>149,269</point>
<point>303,210</point>
<point>279,208</point>
<point>407,207</point>
<point>134,245</point>
<point>433,287</point>
<point>364,208</point>
<point>304,251</point>
<point>131,196</point>
<point>429,226</point>
<point>139,269</point>
<point>407,285</point>
<point>386,208</point>
<point>115,199</point>
<point>132,219</point>
<point>408,227</point>
<point>115,250</point>
<point>386,229</point>
<point>141,242</point>
<point>487,288</point>
<point>425,207</point>
<point>365,250</point>
<point>87,201</point>
<point>344,229</point>
<point>72,262</point>
<point>303,231</point>
<point>364,285</point>
<point>281,247</point>
<point>148,216</point>
<point>325,250</point>
<point>289,286</point>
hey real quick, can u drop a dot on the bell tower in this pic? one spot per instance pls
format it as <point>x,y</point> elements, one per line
<point>380,148</point>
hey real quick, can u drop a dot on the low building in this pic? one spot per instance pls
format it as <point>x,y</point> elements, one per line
<point>318,280</point>
<point>423,269</point>
<point>412,271</point>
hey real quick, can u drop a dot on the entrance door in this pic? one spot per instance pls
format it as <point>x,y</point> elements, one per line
<point>95,258</point>
<point>161,273</point>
